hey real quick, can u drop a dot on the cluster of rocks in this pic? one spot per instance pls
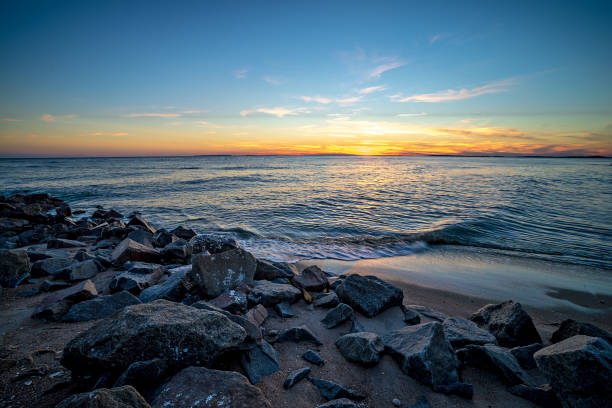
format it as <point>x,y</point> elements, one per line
<point>177,304</point>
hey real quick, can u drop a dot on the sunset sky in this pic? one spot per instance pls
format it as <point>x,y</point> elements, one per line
<point>146,78</point>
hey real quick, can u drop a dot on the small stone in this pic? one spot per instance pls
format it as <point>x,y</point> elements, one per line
<point>283,309</point>
<point>311,279</point>
<point>369,295</point>
<point>327,301</point>
<point>524,355</point>
<point>338,315</point>
<point>138,221</point>
<point>364,348</point>
<point>410,316</point>
<point>313,357</point>
<point>257,315</point>
<point>296,376</point>
<point>298,334</point>
<point>234,301</point>
<point>260,361</point>
<point>461,332</point>
<point>569,328</point>
<point>396,402</point>
<point>330,390</point>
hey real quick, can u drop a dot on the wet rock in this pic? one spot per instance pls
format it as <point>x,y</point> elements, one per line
<point>175,251</point>
<point>99,307</point>
<point>338,315</point>
<point>121,397</point>
<point>363,347</point>
<point>14,267</point>
<point>339,403</point>
<point>496,359</point>
<point>143,375</point>
<point>283,309</point>
<point>330,390</point>
<point>327,301</point>
<point>211,243</point>
<point>269,294</point>
<point>78,271</point>
<point>368,294</point>
<point>54,306</point>
<point>313,357</point>
<point>298,334</point>
<point>524,355</point>
<point>569,328</point>
<point>64,243</point>
<point>257,315</point>
<point>49,266</point>
<point>260,361</point>
<point>268,271</point>
<point>311,279</point>
<point>181,335</point>
<point>295,377</point>
<point>509,323</point>
<point>220,272</point>
<point>138,221</point>
<point>579,370</point>
<point>460,332</point>
<point>184,233</point>
<point>212,388</point>
<point>134,283</point>
<point>410,316</point>
<point>142,237</point>
<point>52,286</point>
<point>129,250</point>
<point>161,238</point>
<point>543,395</point>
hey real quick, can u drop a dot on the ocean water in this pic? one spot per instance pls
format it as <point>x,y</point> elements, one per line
<point>350,208</point>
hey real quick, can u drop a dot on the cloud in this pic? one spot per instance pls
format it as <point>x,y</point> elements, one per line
<point>175,123</point>
<point>349,101</point>
<point>241,73</point>
<point>455,95</point>
<point>153,115</point>
<point>412,114</point>
<point>371,89</point>
<point>318,99</point>
<point>11,120</point>
<point>274,80</point>
<point>119,134</point>
<point>191,112</point>
<point>47,118</point>
<point>436,38</point>
<point>277,111</point>
<point>381,69</point>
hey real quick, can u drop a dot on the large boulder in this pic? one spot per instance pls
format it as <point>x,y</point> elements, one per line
<point>143,375</point>
<point>122,397</point>
<point>14,267</point>
<point>181,335</point>
<point>171,289</point>
<point>260,361</point>
<point>461,332</point>
<point>368,294</point>
<point>423,352</point>
<point>269,293</point>
<point>579,370</point>
<point>129,250</point>
<point>202,387</point>
<point>56,305</point>
<point>217,273</point>
<point>211,243</point>
<point>99,307</point>
<point>253,333</point>
<point>569,328</point>
<point>494,358</point>
<point>509,323</point>
<point>311,279</point>
<point>363,347</point>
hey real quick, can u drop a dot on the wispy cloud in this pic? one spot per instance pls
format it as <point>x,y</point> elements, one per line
<point>371,89</point>
<point>272,80</point>
<point>175,123</point>
<point>278,111</point>
<point>412,114</point>
<point>47,117</point>
<point>349,101</point>
<point>192,112</point>
<point>318,99</point>
<point>241,73</point>
<point>153,115</point>
<point>11,120</point>
<point>454,95</point>
<point>388,66</point>
<point>436,38</point>
<point>117,134</point>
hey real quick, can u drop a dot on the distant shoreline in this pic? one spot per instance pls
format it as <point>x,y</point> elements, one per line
<point>10,157</point>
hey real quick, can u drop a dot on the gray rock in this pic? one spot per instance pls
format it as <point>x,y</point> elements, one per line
<point>129,250</point>
<point>509,323</point>
<point>410,316</point>
<point>312,279</point>
<point>122,397</point>
<point>579,370</point>
<point>143,375</point>
<point>138,221</point>
<point>212,388</point>
<point>260,361</point>
<point>54,306</point>
<point>99,307</point>
<point>269,294</point>
<point>14,267</point>
<point>83,255</point>
<point>48,266</point>
<point>52,286</point>
<point>327,301</point>
<point>569,328</point>
<point>313,357</point>
<point>161,238</point>
<point>211,243</point>
<point>184,233</point>
<point>220,272</point>
<point>461,332</point>
<point>171,289</point>
<point>234,301</point>
<point>295,377</point>
<point>339,403</point>
<point>268,271</point>
<point>368,294</point>
<point>175,251</point>
<point>78,271</point>
<point>524,355</point>
<point>298,334</point>
<point>364,348</point>
<point>356,327</point>
<point>330,390</point>
<point>338,315</point>
<point>253,333</point>
<point>142,237</point>
<point>427,312</point>
<point>55,243</point>
<point>283,309</point>
<point>181,335</point>
<point>134,283</point>
<point>257,315</point>
<point>543,395</point>
<point>494,358</point>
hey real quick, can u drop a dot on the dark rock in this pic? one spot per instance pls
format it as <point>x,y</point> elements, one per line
<point>313,357</point>
<point>220,272</point>
<point>427,312</point>
<point>524,355</point>
<point>327,301</point>
<point>122,397</point>
<point>260,361</point>
<point>368,294</point>
<point>83,255</point>
<point>161,238</point>
<point>14,267</point>
<point>543,395</point>
<point>269,294</point>
<point>136,282</point>
<point>49,266</point>
<point>339,403</point>
<point>338,315</point>
<point>579,370</point>
<point>129,250</point>
<point>52,286</point>
<point>289,269</point>
<point>421,403</point>
<point>211,243</point>
<point>253,334</point>
<point>494,358</point>
<point>142,237</point>
<point>30,293</point>
<point>78,271</point>
<point>460,332</point>
<point>143,268</point>
<point>234,301</point>
<point>182,232</point>
<point>268,271</point>
<point>63,211</point>
<point>64,243</point>
<point>37,255</point>
<point>175,251</point>
<point>212,388</point>
<point>138,221</point>
<point>363,347</point>
<point>330,390</point>
<point>295,377</point>
<point>356,327</point>
<point>311,279</point>
<point>171,289</point>
<point>509,323</point>
<point>99,307</point>
<point>54,306</point>
<point>257,315</point>
<point>570,328</point>
<point>298,334</point>
<point>283,309</point>
<point>410,316</point>
<point>143,375</point>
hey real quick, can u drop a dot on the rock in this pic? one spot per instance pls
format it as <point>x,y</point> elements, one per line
<point>234,301</point>
<point>134,283</point>
<point>83,255</point>
<point>396,402</point>
<point>509,323</point>
<point>138,221</point>
<point>129,250</point>
<point>298,334</point>
<point>368,294</point>
<point>14,267</point>
<point>268,271</point>
<point>143,268</point>
<point>579,370</point>
<point>220,272</point>
<point>253,333</point>
<point>212,388</point>
<point>494,358</point>
<point>54,243</point>
<point>142,237</point>
<point>211,243</point>
<point>569,328</point>
<point>423,352</point>
<point>543,395</point>
<point>339,403</point>
<point>330,390</point>
<point>427,312</point>
<point>313,357</point>
<point>161,238</point>
<point>283,309</point>
<point>52,286</point>
<point>338,315</point>
<point>122,397</point>
<point>99,307</point>
<point>257,315</point>
<point>259,362</point>
<point>179,334</point>
<point>78,271</point>
<point>295,377</point>
<point>175,251</point>
<point>37,255</point>
<point>460,332</point>
<point>143,375</point>
<point>54,306</point>
<point>356,327</point>
<point>311,279</point>
<point>410,316</point>
<point>269,294</point>
<point>171,289</point>
<point>524,355</point>
<point>184,233</point>
<point>364,348</point>
<point>327,301</point>
<point>48,266</point>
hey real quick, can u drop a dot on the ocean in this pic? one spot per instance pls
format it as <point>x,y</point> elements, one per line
<point>291,208</point>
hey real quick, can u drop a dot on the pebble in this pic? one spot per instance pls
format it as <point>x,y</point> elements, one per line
<point>396,402</point>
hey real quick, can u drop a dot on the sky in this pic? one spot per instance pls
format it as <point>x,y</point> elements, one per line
<point>230,77</point>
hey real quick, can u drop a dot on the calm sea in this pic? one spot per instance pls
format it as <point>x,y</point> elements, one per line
<point>290,208</point>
